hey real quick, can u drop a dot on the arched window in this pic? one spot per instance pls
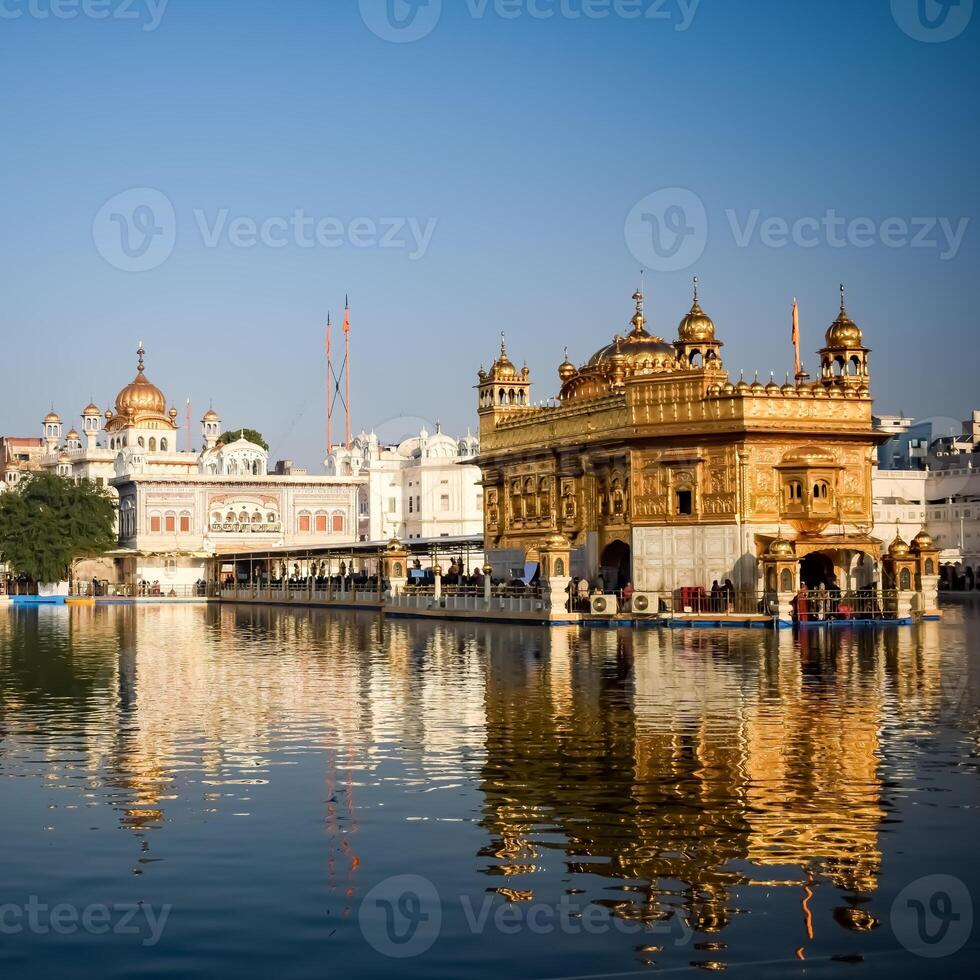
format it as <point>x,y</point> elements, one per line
<point>185,523</point>
<point>153,445</point>
<point>559,568</point>
<point>930,567</point>
<point>321,523</point>
<point>905,580</point>
<point>230,517</point>
<point>141,442</point>
<point>256,518</point>
<point>696,359</point>
<point>305,522</point>
<point>338,523</point>
<point>243,518</point>
<point>154,523</point>
<point>163,445</point>
<point>170,523</point>
<point>216,517</point>
<point>786,581</point>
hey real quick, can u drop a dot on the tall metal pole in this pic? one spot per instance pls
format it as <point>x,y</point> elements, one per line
<point>329,392</point>
<point>347,365</point>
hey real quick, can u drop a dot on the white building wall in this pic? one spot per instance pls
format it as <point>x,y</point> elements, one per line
<point>670,558</point>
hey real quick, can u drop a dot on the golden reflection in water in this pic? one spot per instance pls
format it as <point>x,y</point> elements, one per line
<point>689,763</point>
<point>680,765</point>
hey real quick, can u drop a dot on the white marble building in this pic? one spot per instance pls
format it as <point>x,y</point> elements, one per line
<point>425,487</point>
<point>178,508</point>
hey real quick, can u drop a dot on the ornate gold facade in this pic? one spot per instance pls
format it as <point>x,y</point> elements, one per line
<point>650,436</point>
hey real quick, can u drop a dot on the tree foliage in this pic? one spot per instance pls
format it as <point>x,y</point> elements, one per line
<point>252,435</point>
<point>47,522</point>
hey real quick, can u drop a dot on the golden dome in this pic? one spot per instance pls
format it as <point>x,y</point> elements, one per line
<point>566,370</point>
<point>923,542</point>
<point>52,418</point>
<point>91,409</point>
<point>844,332</point>
<point>211,416</point>
<point>809,456</point>
<point>781,548</point>
<point>697,327</point>
<point>557,542</point>
<point>503,368</point>
<point>73,435</point>
<point>898,548</point>
<point>140,397</point>
<point>639,348</point>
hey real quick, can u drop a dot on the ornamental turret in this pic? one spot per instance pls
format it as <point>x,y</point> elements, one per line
<point>697,347</point>
<point>844,358</point>
<point>503,388</point>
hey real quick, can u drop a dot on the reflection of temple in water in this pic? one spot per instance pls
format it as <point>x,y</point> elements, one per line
<point>686,763</point>
<point>673,767</point>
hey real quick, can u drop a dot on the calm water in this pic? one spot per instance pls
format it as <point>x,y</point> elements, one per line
<point>250,788</point>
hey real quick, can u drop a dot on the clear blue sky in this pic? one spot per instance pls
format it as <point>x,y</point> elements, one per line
<point>527,140</point>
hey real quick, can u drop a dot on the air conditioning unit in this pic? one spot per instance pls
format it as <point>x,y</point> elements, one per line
<point>645,603</point>
<point>604,605</point>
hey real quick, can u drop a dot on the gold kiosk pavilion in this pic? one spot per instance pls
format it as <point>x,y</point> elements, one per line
<point>664,473</point>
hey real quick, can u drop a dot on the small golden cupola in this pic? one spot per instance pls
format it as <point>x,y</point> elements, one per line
<point>503,386</point>
<point>566,370</point>
<point>844,358</point>
<point>697,347</point>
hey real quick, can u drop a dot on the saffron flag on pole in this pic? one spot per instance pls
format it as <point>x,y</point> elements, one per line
<point>796,334</point>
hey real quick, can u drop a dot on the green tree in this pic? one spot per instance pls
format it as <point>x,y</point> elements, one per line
<point>252,435</point>
<point>48,522</point>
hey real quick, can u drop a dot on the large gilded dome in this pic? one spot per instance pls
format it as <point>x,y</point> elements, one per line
<point>140,397</point>
<point>638,349</point>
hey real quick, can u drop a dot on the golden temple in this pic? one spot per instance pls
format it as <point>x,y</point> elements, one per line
<point>662,471</point>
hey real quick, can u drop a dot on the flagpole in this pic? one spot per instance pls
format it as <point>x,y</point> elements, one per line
<point>347,364</point>
<point>329,392</point>
<point>189,448</point>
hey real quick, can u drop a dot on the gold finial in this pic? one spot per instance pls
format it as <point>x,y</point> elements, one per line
<point>638,318</point>
<point>695,289</point>
<point>842,292</point>
<point>503,344</point>
<point>140,353</point>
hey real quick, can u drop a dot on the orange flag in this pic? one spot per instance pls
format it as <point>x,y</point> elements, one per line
<point>796,334</point>
<point>347,317</point>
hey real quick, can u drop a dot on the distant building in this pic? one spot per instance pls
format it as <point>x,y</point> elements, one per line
<point>908,445</point>
<point>931,482</point>
<point>18,457</point>
<point>428,486</point>
<point>178,508</point>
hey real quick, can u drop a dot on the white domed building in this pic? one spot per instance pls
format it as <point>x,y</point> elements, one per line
<point>177,509</point>
<point>425,487</point>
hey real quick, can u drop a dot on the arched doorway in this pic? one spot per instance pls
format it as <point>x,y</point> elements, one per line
<point>816,569</point>
<point>616,566</point>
